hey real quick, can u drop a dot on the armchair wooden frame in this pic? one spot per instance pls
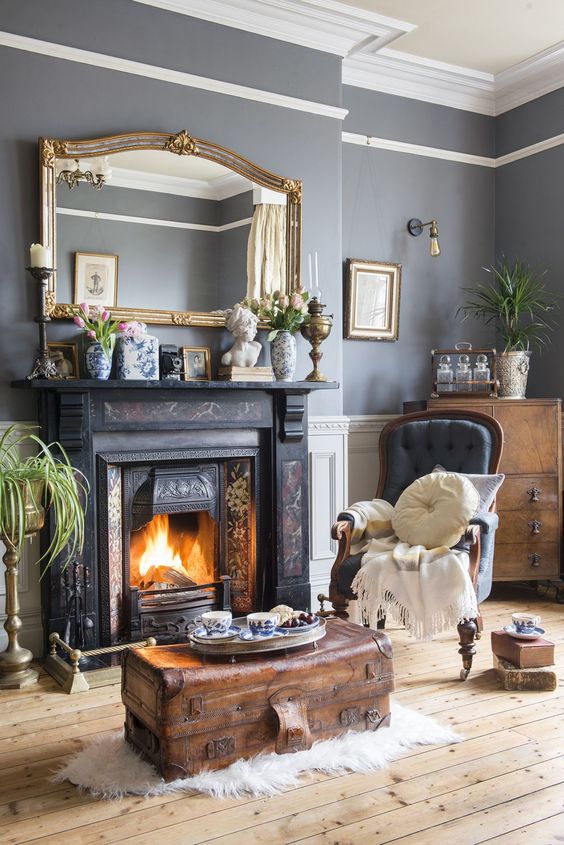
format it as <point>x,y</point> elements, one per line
<point>341,531</point>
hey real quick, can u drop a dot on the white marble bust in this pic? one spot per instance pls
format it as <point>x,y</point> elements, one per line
<point>242,324</point>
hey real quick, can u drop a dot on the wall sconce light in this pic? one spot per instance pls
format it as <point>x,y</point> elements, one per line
<point>95,174</point>
<point>415,227</point>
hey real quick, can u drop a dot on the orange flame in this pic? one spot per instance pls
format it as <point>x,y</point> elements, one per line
<point>189,549</point>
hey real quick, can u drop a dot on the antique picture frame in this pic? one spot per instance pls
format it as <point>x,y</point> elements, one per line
<point>65,357</point>
<point>372,300</point>
<point>95,279</point>
<point>197,363</point>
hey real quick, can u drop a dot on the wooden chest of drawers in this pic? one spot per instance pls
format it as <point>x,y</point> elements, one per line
<point>529,504</point>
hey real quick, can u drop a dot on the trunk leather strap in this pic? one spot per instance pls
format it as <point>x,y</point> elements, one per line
<point>290,707</point>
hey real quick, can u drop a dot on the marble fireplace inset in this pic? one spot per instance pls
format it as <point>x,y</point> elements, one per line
<point>180,539</point>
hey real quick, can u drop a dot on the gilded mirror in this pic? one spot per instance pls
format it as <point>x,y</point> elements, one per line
<point>158,225</point>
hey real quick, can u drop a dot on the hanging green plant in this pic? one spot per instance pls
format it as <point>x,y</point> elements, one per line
<point>43,481</point>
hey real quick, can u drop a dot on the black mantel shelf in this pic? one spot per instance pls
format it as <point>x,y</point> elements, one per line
<point>172,384</point>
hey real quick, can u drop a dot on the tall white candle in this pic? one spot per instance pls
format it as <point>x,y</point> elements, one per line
<point>39,256</point>
<point>316,274</point>
<point>310,273</point>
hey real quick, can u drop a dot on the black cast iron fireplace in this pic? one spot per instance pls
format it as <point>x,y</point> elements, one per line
<point>219,469</point>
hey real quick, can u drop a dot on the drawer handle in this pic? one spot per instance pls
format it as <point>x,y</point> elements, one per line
<point>534,494</point>
<point>535,559</point>
<point>535,525</point>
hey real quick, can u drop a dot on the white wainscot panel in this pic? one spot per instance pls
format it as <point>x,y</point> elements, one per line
<point>364,463</point>
<point>328,494</point>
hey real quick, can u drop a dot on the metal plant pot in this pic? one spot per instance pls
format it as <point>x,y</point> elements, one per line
<point>512,369</point>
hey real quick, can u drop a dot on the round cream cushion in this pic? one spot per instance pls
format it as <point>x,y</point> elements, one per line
<point>435,510</point>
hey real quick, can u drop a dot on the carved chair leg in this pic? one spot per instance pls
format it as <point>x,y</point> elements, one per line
<point>467,633</point>
<point>480,624</point>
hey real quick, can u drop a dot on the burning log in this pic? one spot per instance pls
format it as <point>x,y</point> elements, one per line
<point>165,575</point>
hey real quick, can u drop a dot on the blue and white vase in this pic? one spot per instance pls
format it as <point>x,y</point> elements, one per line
<point>283,356</point>
<point>137,357</point>
<point>97,362</point>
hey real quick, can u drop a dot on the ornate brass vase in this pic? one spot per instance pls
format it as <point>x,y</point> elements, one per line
<point>15,659</point>
<point>316,331</point>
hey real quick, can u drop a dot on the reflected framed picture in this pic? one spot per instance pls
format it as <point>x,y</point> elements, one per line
<point>95,279</point>
<point>65,358</point>
<point>372,300</point>
<point>197,363</point>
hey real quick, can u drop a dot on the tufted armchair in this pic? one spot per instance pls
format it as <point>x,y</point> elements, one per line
<point>411,446</point>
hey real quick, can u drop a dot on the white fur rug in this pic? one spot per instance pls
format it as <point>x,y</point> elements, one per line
<point>110,768</point>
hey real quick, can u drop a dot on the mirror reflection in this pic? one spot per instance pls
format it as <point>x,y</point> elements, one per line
<point>147,229</point>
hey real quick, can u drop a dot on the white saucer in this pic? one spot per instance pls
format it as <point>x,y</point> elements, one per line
<point>201,634</point>
<point>247,635</point>
<point>535,634</point>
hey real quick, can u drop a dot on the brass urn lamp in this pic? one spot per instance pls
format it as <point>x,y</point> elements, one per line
<point>316,330</point>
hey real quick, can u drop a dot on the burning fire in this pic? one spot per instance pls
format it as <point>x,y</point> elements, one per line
<point>179,556</point>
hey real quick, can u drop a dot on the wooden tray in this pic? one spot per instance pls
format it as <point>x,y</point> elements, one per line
<point>235,646</point>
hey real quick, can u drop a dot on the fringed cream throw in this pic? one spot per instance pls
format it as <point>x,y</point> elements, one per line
<point>427,590</point>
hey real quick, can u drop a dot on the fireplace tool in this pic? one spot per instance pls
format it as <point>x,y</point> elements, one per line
<point>78,626</point>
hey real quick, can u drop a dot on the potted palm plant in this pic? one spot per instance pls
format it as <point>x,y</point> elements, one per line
<point>518,304</point>
<point>30,485</point>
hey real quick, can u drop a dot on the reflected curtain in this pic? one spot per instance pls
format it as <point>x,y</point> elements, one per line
<point>266,251</point>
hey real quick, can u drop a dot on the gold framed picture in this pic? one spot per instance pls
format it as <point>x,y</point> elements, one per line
<point>95,279</point>
<point>372,300</point>
<point>197,363</point>
<point>65,357</point>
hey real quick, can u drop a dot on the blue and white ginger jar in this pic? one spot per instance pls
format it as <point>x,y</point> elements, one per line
<point>97,362</point>
<point>137,357</point>
<point>283,356</point>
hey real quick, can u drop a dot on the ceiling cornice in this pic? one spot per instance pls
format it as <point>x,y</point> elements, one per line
<point>410,76</point>
<point>219,188</point>
<point>362,38</point>
<point>325,25</point>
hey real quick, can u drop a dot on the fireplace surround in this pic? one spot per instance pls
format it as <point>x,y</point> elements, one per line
<point>230,458</point>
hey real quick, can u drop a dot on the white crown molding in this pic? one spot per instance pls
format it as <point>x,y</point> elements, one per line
<point>328,425</point>
<point>403,75</point>
<point>152,221</point>
<point>530,79</point>
<point>161,74</point>
<point>213,189</point>
<point>417,149</point>
<point>318,24</point>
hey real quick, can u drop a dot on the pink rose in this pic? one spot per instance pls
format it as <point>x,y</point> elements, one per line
<point>283,301</point>
<point>296,301</point>
<point>78,321</point>
<point>91,334</point>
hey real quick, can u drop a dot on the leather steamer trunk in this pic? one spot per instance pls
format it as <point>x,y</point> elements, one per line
<point>189,713</point>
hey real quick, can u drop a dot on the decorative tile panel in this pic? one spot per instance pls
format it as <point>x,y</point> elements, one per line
<point>291,507</point>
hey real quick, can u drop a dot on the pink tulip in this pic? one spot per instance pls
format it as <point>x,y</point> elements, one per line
<point>78,321</point>
<point>122,327</point>
<point>283,301</point>
<point>91,334</point>
<point>105,315</point>
<point>296,301</point>
<point>85,308</point>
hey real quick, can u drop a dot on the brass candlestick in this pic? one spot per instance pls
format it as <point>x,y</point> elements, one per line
<point>43,366</point>
<point>316,331</point>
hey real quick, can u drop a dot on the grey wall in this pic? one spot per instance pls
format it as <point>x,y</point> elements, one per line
<point>381,191</point>
<point>56,98</point>
<point>529,217</point>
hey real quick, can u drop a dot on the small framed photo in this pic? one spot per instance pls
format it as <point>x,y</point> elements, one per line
<point>372,300</point>
<point>95,279</point>
<point>197,363</point>
<point>65,358</point>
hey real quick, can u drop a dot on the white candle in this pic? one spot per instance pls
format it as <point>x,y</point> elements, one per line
<point>316,274</point>
<point>310,273</point>
<point>40,256</point>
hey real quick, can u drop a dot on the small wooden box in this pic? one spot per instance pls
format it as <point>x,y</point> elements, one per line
<point>524,654</point>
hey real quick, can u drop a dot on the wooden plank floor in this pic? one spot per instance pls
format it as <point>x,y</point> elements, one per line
<point>504,784</point>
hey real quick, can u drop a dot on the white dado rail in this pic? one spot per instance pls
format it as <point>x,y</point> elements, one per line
<point>28,587</point>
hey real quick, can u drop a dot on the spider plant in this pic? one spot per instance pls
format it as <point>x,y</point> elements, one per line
<point>516,302</point>
<point>43,480</point>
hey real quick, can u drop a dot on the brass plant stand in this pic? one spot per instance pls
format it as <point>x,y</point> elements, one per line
<point>316,331</point>
<point>15,659</point>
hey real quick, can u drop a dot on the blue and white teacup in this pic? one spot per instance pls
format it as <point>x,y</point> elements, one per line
<point>263,624</point>
<point>525,623</point>
<point>216,622</point>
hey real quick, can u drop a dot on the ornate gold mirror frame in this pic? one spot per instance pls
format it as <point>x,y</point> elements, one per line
<point>181,144</point>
